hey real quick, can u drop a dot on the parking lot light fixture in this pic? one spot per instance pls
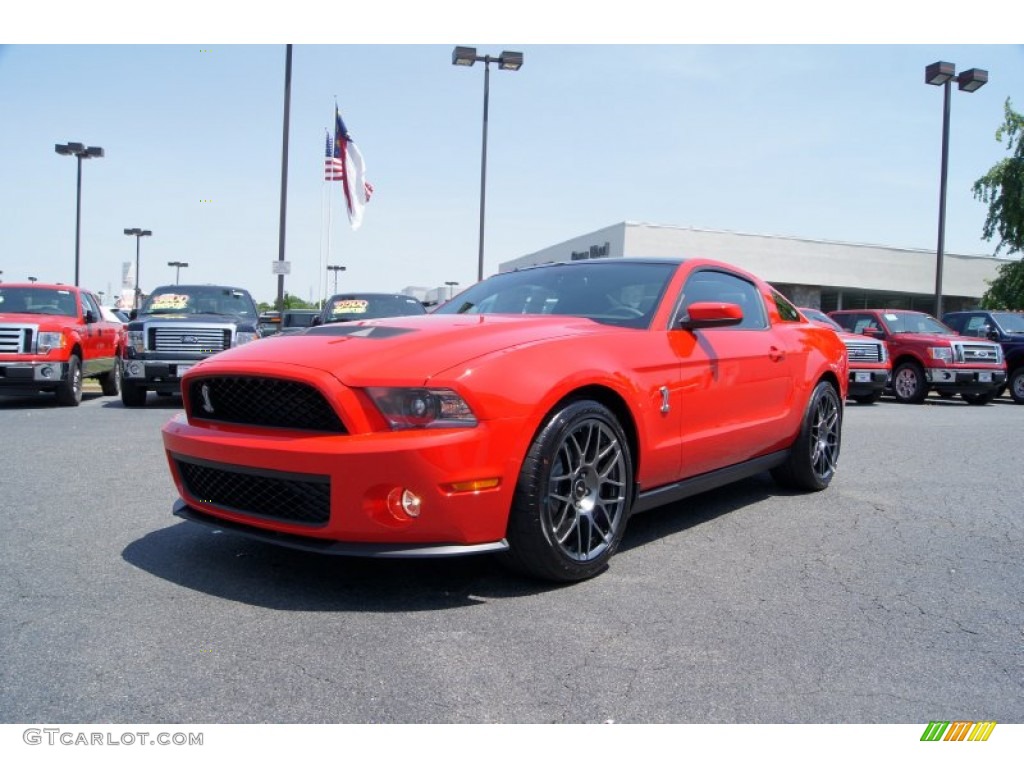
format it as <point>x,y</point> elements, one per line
<point>335,268</point>
<point>177,269</point>
<point>464,56</point>
<point>138,234</point>
<point>451,287</point>
<point>82,152</point>
<point>942,73</point>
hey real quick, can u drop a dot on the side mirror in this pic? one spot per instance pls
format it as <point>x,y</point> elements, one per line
<point>873,332</point>
<point>711,314</point>
<point>315,321</point>
<point>991,334</point>
<point>90,318</point>
<point>133,314</point>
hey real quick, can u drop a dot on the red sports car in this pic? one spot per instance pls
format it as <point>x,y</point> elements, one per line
<point>529,416</point>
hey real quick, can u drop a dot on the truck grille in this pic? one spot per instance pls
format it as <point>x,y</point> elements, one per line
<point>262,402</point>
<point>864,352</point>
<point>291,497</point>
<point>15,339</point>
<point>188,340</point>
<point>977,352</point>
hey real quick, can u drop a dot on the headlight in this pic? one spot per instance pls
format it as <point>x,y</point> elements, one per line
<point>941,353</point>
<point>48,340</point>
<point>137,341</point>
<point>417,408</point>
<point>244,337</point>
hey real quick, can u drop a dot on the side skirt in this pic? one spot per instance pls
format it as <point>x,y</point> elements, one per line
<point>667,494</point>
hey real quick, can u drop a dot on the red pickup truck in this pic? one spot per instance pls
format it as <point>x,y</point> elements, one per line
<point>54,336</point>
<point>928,355</point>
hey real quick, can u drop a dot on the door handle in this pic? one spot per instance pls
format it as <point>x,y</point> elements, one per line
<point>776,354</point>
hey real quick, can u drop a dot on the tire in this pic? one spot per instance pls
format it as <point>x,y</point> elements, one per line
<point>110,382</point>
<point>946,394</point>
<point>812,460</point>
<point>874,397</point>
<point>978,398</point>
<point>69,392</point>
<point>573,496</point>
<point>908,384</point>
<point>132,395</point>
<point>1016,385</point>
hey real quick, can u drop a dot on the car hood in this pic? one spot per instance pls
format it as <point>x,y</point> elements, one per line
<point>404,349</point>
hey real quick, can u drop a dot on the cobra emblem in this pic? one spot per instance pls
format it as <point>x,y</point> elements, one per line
<point>204,391</point>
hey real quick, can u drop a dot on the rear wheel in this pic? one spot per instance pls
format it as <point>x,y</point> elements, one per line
<point>110,382</point>
<point>813,457</point>
<point>69,392</point>
<point>978,398</point>
<point>573,496</point>
<point>908,383</point>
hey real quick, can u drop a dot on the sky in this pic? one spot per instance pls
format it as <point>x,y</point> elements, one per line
<point>807,129</point>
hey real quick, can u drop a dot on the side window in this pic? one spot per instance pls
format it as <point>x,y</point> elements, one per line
<point>711,285</point>
<point>976,326</point>
<point>89,304</point>
<point>864,322</point>
<point>786,310</point>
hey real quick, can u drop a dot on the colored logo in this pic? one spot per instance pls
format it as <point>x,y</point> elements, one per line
<point>959,730</point>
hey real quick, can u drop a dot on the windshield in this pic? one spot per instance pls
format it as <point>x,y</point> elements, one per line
<point>1010,322</point>
<point>914,322</point>
<point>817,316</point>
<point>38,301</point>
<point>199,300</point>
<point>368,306</point>
<point>616,293</point>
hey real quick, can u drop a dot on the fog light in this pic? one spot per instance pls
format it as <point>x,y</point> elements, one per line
<point>402,500</point>
<point>46,372</point>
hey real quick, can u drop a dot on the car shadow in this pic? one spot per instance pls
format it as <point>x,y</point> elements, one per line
<point>43,400</point>
<point>240,569</point>
<point>153,402</point>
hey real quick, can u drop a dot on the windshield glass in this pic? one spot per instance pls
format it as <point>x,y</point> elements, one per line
<point>617,293</point>
<point>199,300</point>
<point>1010,322</point>
<point>817,316</point>
<point>38,301</point>
<point>914,322</point>
<point>346,307</point>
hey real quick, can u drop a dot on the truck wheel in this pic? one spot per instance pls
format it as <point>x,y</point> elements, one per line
<point>873,397</point>
<point>132,395</point>
<point>110,382</point>
<point>908,383</point>
<point>1017,385</point>
<point>69,391</point>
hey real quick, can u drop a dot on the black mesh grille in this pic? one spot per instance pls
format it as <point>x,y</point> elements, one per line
<point>262,402</point>
<point>295,498</point>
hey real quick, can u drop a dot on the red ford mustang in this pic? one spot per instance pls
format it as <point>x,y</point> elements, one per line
<point>529,416</point>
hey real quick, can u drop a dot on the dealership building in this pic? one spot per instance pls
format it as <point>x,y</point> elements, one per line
<point>812,273</point>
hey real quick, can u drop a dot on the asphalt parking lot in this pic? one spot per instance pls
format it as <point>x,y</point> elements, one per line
<point>895,596</point>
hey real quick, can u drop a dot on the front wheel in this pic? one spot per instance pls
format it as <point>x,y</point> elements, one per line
<point>132,395</point>
<point>813,457</point>
<point>982,398</point>
<point>873,397</point>
<point>1017,386</point>
<point>908,384</point>
<point>69,391</point>
<point>573,496</point>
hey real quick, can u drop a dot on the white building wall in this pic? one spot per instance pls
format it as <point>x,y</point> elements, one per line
<point>790,260</point>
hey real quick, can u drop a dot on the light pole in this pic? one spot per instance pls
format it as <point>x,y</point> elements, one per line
<point>177,268</point>
<point>512,61</point>
<point>970,80</point>
<point>335,268</point>
<point>82,152</point>
<point>451,287</point>
<point>138,234</point>
<point>32,279</point>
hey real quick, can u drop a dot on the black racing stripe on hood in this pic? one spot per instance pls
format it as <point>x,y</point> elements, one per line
<point>363,331</point>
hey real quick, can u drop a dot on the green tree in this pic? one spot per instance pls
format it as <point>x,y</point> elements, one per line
<point>1002,188</point>
<point>290,302</point>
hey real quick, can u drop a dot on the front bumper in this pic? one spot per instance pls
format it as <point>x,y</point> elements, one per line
<point>32,376</point>
<point>865,381</point>
<point>162,375</point>
<point>337,489</point>
<point>964,380</point>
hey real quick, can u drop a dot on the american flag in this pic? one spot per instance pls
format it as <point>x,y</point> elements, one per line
<point>333,168</point>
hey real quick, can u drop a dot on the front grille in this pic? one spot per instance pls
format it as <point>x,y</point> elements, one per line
<point>291,497</point>
<point>15,339</point>
<point>863,351</point>
<point>176,339</point>
<point>985,354</point>
<point>262,402</point>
